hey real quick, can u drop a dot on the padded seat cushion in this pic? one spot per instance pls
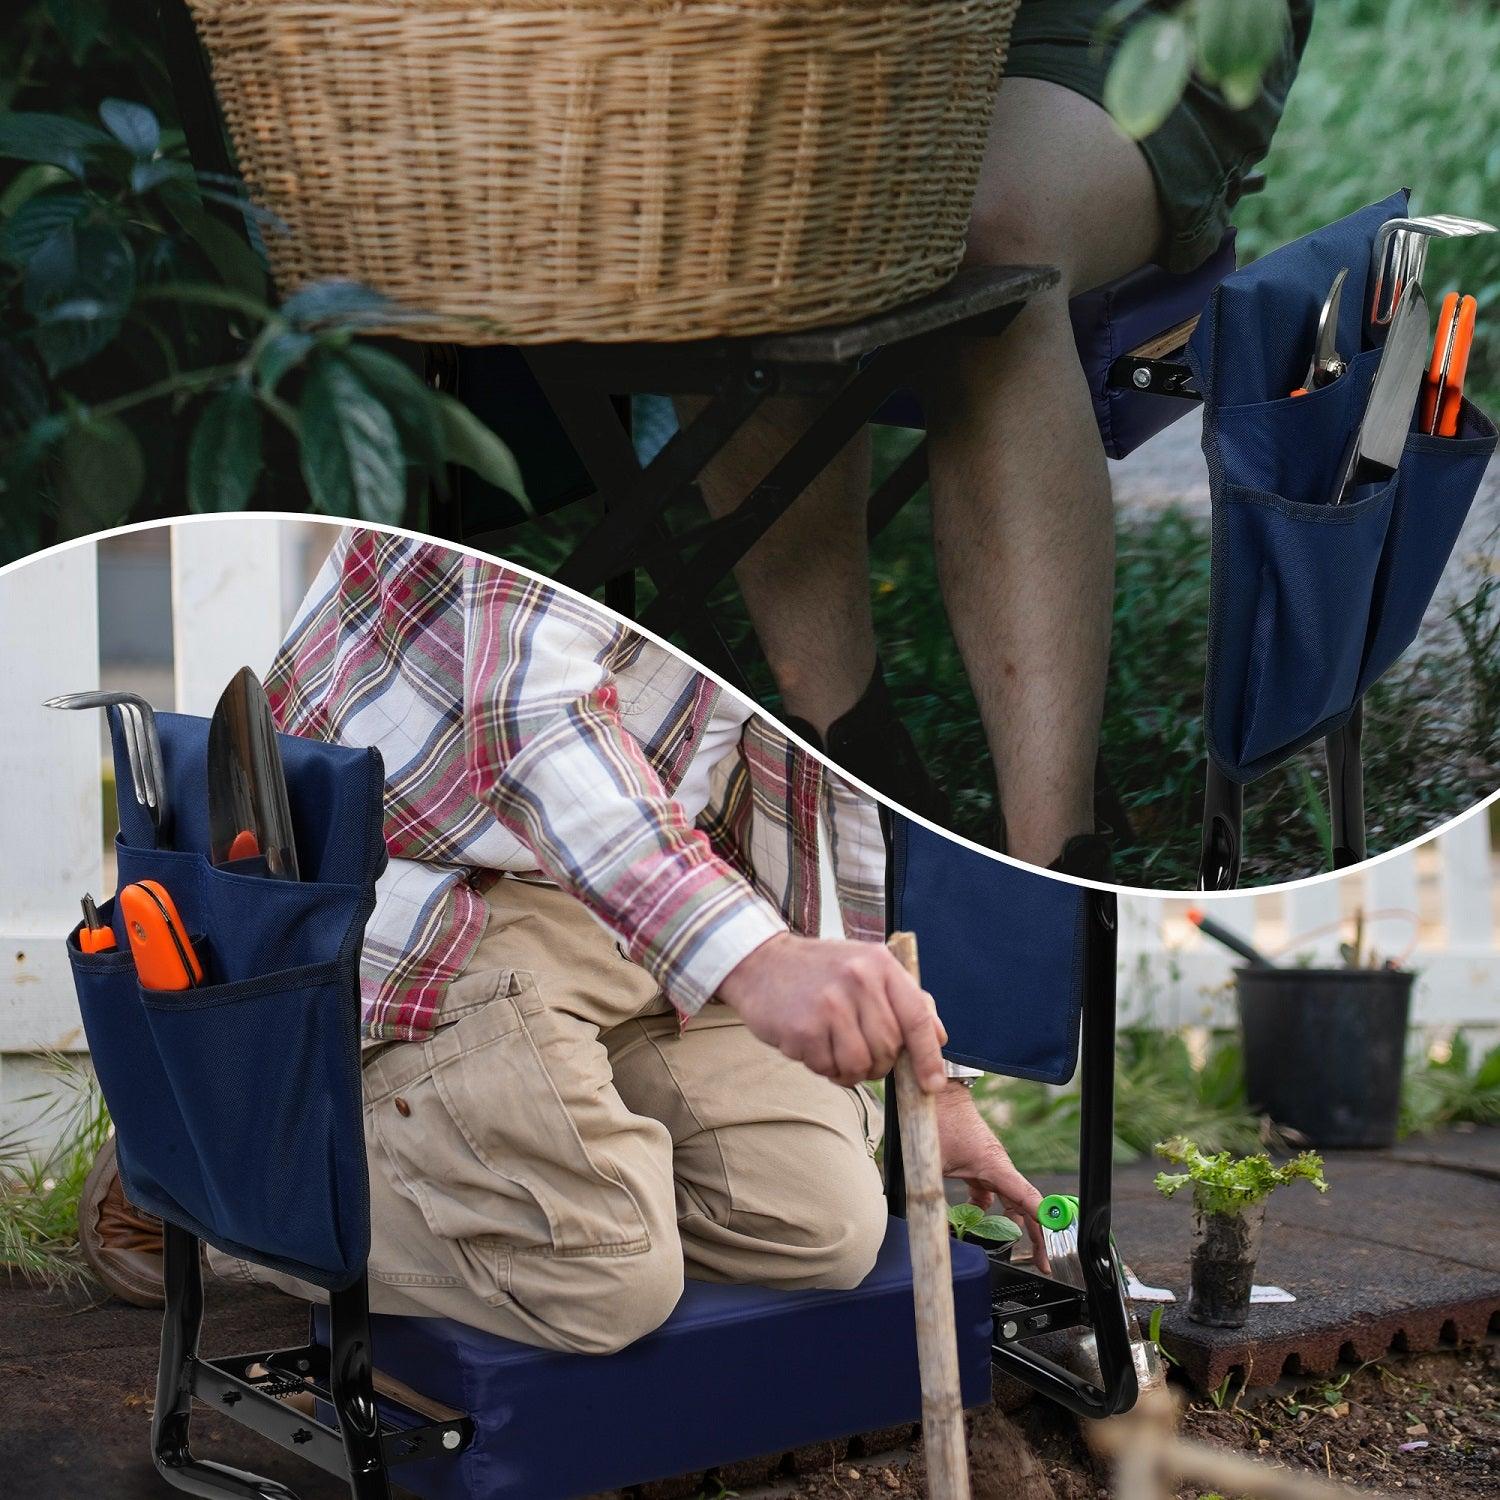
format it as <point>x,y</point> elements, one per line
<point>734,1373</point>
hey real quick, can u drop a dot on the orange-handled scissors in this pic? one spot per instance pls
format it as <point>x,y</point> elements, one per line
<point>164,956</point>
<point>1443,385</point>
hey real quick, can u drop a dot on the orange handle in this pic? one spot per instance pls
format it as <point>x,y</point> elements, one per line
<point>244,846</point>
<point>95,939</point>
<point>164,957</point>
<point>1432,381</point>
<point>1451,403</point>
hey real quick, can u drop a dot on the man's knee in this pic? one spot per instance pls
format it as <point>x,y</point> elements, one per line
<point>836,1223</point>
<point>602,1304</point>
<point>850,1243</point>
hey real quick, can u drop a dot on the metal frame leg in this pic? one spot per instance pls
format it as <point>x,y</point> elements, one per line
<point>172,1420</point>
<point>1104,1293</point>
<point>357,1452</point>
<point>1223,820</point>
<point>1346,790</point>
<point>351,1380</point>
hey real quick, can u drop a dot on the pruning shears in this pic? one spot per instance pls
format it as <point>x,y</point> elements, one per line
<point>1443,386</point>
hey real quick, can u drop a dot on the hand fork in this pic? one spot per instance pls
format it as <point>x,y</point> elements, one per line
<point>142,746</point>
<point>1400,255</point>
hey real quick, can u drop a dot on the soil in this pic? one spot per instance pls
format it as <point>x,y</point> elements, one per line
<point>1351,1427</point>
<point>61,1358</point>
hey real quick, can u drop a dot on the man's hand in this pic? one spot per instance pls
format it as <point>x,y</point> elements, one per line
<point>972,1152</point>
<point>844,1009</point>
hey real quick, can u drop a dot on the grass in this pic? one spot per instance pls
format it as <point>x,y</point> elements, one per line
<point>1452,1088</point>
<point>1161,1090</point>
<point>39,1191</point>
<point>1395,93</point>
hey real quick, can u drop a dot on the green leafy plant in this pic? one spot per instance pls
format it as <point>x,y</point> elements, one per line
<point>140,360</point>
<point>1230,44</point>
<point>40,1189</point>
<point>1223,1183</point>
<point>1458,1089</point>
<point>966,1219</point>
<point>1160,1088</point>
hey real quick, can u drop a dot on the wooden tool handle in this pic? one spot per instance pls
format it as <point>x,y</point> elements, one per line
<point>931,1272</point>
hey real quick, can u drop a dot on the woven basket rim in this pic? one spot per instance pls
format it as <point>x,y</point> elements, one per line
<point>813,9</point>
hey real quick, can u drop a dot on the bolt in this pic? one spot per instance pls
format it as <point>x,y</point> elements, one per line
<point>451,1439</point>
<point>1008,1330</point>
<point>758,379</point>
<point>1141,378</point>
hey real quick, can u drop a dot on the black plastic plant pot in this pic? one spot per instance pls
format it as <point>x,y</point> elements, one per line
<point>1225,1249</point>
<point>1325,1049</point>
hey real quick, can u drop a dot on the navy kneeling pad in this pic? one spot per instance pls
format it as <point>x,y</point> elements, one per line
<point>736,1372</point>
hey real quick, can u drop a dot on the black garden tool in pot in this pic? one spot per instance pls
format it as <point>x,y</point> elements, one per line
<point>249,815</point>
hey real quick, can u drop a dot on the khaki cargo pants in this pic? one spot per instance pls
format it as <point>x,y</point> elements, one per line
<point>561,1153</point>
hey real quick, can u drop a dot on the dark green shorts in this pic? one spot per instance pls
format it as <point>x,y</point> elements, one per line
<point>1203,150</point>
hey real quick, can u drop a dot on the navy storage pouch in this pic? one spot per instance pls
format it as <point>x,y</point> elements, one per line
<point>1311,602</point>
<point>237,1104</point>
<point>1002,951</point>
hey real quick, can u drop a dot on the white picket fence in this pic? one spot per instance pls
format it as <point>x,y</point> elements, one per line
<point>251,571</point>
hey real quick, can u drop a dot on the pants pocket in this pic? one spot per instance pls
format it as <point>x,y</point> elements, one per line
<point>486,1137</point>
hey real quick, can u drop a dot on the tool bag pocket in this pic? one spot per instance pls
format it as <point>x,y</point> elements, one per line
<point>1002,951</point>
<point>1310,602</point>
<point>237,1103</point>
<point>1435,486</point>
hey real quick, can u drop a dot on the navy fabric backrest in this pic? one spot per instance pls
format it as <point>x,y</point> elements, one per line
<point>237,1104</point>
<point>1001,950</point>
<point>1311,602</point>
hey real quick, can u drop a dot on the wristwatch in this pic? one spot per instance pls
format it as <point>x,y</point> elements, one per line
<point>958,1073</point>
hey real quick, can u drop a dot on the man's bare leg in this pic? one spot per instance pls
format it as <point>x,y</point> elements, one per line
<point>1022,515</point>
<point>806,583</point>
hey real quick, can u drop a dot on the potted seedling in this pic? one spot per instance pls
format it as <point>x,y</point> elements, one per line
<point>993,1233</point>
<point>1324,1047</point>
<point>1229,1212</point>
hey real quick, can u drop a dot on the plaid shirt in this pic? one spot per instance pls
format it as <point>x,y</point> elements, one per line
<point>527,730</point>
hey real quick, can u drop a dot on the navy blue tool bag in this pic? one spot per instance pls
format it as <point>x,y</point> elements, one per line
<point>1002,951</point>
<point>1311,602</point>
<point>236,1104</point>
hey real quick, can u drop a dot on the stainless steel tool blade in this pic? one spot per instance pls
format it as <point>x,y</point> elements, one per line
<point>1376,450</point>
<point>248,810</point>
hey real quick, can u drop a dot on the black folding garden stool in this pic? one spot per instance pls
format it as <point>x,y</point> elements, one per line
<point>239,1120</point>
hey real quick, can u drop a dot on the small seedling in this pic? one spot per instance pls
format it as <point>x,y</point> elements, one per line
<point>1221,1392</point>
<point>967,1219</point>
<point>1153,1332</point>
<point>1226,1184</point>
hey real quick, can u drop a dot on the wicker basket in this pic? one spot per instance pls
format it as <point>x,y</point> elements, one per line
<point>535,170</point>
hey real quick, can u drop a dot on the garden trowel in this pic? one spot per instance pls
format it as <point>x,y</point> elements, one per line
<point>249,815</point>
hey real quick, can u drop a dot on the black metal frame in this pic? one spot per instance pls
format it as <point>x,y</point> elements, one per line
<point>248,1388</point>
<point>1026,1303</point>
<point>854,369</point>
